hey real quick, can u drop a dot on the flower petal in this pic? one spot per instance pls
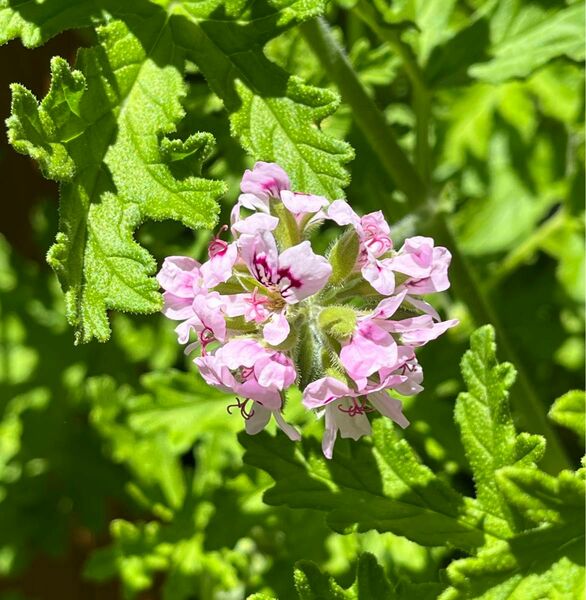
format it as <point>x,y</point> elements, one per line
<point>380,275</point>
<point>342,213</point>
<point>286,428</point>
<point>370,349</point>
<point>323,391</point>
<point>258,420</point>
<point>254,224</point>
<point>301,273</point>
<point>265,180</point>
<point>389,407</point>
<point>219,268</point>
<point>180,275</point>
<point>261,256</point>
<point>277,329</point>
<point>302,203</point>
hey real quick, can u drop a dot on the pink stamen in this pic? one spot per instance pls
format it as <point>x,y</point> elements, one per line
<point>206,337</point>
<point>217,246</point>
<point>241,405</point>
<point>358,408</point>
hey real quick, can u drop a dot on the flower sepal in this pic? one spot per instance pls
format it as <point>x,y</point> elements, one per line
<point>343,256</point>
<point>337,321</point>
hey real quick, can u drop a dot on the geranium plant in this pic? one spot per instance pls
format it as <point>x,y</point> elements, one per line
<point>359,219</point>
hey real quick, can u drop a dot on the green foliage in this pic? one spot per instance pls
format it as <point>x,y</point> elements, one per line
<point>122,454</point>
<point>527,37</point>
<point>569,411</point>
<point>274,115</point>
<point>485,409</point>
<point>518,509</point>
<point>371,583</point>
<point>124,102</point>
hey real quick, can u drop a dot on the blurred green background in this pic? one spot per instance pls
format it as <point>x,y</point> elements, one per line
<point>120,470</point>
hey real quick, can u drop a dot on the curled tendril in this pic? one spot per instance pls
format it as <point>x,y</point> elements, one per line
<point>241,406</point>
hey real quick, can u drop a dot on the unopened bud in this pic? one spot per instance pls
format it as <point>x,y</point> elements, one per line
<point>343,256</point>
<point>337,321</point>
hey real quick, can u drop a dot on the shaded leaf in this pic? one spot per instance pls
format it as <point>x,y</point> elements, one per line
<point>569,411</point>
<point>100,133</point>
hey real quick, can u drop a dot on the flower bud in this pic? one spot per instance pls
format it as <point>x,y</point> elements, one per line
<point>343,256</point>
<point>337,321</point>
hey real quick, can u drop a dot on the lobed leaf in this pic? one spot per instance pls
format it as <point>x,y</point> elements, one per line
<point>275,116</point>
<point>528,38</point>
<point>100,132</point>
<point>568,410</point>
<point>544,562</point>
<point>36,22</point>
<point>486,425</point>
<point>383,487</point>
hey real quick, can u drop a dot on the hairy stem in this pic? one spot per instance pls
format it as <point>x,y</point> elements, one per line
<point>380,135</point>
<point>421,96</point>
<point>370,120</point>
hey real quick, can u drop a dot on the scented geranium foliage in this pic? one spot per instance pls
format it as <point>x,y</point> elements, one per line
<point>303,187</point>
<point>264,297</point>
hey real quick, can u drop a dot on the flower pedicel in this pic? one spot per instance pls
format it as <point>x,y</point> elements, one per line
<point>265,311</point>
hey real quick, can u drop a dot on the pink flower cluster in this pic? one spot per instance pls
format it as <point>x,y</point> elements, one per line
<point>254,307</point>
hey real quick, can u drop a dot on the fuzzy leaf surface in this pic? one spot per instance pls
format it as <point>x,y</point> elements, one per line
<point>100,132</point>
<point>36,22</point>
<point>544,561</point>
<point>568,410</point>
<point>484,417</point>
<point>275,116</point>
<point>382,487</point>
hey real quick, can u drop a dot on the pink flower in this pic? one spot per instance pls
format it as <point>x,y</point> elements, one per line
<point>374,234</point>
<point>182,280</point>
<point>243,367</point>
<point>266,180</point>
<point>259,417</point>
<point>346,409</point>
<point>207,321</point>
<point>256,373</point>
<point>223,256</point>
<point>241,304</point>
<point>373,346</point>
<point>425,264</point>
<point>292,275</point>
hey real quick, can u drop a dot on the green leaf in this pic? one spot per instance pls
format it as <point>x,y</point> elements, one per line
<point>545,562</point>
<point>371,582</point>
<point>382,487</point>
<point>312,584</point>
<point>541,498</point>
<point>530,38</point>
<point>486,425</point>
<point>493,223</point>
<point>569,411</point>
<point>150,431</point>
<point>275,116</point>
<point>36,22</point>
<point>100,132</point>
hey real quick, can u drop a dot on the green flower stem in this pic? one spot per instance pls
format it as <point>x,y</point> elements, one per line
<point>368,117</point>
<point>528,247</point>
<point>421,95</point>
<point>370,120</point>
